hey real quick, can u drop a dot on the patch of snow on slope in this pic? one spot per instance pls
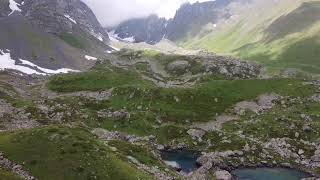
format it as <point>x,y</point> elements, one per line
<point>116,49</point>
<point>14,6</point>
<point>6,62</point>
<point>129,39</point>
<point>90,58</point>
<point>98,36</point>
<point>69,17</point>
<point>113,37</point>
<point>47,71</point>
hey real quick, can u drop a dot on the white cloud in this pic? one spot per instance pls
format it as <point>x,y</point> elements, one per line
<point>112,12</point>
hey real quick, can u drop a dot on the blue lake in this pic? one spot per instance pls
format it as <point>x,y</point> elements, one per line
<point>269,174</point>
<point>185,159</point>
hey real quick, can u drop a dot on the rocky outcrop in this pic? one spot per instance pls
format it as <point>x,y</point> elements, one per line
<point>281,147</point>
<point>216,124</point>
<point>223,175</point>
<point>202,173</point>
<point>264,102</point>
<point>15,168</point>
<point>116,115</point>
<point>316,98</point>
<point>231,67</point>
<point>196,134</point>
<point>156,172</point>
<point>218,158</point>
<point>114,135</point>
<point>178,67</point>
<point>15,118</point>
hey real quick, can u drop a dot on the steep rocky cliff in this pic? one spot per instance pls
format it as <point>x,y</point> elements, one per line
<point>60,16</point>
<point>52,34</point>
<point>150,29</point>
<point>191,17</point>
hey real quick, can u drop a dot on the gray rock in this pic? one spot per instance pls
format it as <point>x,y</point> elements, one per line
<point>196,134</point>
<point>178,66</point>
<point>223,175</point>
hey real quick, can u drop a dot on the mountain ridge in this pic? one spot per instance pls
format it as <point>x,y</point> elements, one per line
<point>250,29</point>
<point>56,34</point>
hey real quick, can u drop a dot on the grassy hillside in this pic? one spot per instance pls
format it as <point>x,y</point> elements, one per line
<point>176,108</point>
<point>65,153</point>
<point>281,35</point>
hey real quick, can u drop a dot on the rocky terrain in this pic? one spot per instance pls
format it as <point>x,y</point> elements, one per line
<point>72,107</point>
<point>135,104</point>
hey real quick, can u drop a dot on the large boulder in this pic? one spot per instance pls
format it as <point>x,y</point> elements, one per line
<point>223,175</point>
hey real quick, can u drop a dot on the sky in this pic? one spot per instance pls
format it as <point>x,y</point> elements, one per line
<point>112,12</point>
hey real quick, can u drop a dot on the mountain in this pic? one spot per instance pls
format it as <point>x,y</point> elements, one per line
<point>51,34</point>
<point>164,112</point>
<point>280,34</point>
<point>150,29</point>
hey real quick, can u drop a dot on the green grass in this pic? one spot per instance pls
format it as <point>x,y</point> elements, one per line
<point>64,153</point>
<point>298,20</point>
<point>277,41</point>
<point>73,41</point>
<point>142,153</point>
<point>198,104</point>
<point>96,80</point>
<point>6,175</point>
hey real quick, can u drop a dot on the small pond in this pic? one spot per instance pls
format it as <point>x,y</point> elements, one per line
<point>186,160</point>
<point>269,174</point>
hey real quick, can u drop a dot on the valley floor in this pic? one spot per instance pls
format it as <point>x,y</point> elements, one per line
<point>113,121</point>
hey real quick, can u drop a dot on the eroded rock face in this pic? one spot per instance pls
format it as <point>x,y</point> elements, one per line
<point>63,16</point>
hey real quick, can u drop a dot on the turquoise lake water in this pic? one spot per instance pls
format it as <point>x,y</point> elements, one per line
<point>185,159</point>
<point>269,174</point>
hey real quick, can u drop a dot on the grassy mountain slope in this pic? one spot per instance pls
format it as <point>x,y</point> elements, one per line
<point>280,34</point>
<point>65,153</point>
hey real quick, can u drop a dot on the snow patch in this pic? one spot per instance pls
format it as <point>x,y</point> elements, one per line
<point>69,17</point>
<point>113,36</point>
<point>90,58</point>
<point>6,62</point>
<point>98,36</point>
<point>130,39</point>
<point>14,6</point>
<point>172,164</point>
<point>116,49</point>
